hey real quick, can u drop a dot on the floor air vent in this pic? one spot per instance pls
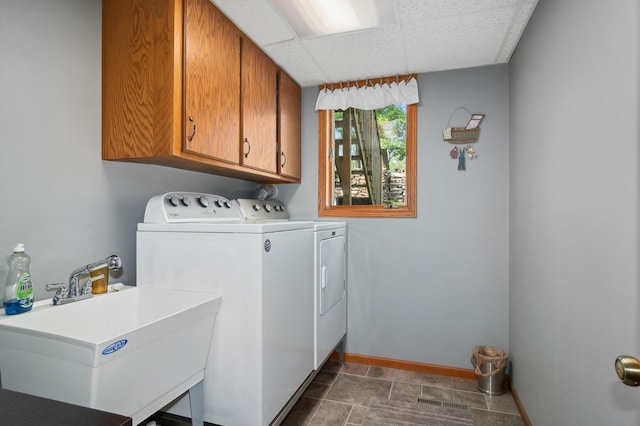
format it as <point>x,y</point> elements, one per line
<point>445,404</point>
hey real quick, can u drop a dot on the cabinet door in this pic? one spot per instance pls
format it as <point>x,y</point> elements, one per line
<point>212,83</point>
<point>259,108</point>
<point>289,126</point>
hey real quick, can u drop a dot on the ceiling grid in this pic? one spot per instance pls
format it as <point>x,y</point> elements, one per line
<point>428,35</point>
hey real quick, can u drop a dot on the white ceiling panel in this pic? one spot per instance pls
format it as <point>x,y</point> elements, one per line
<point>257,19</point>
<point>350,57</point>
<point>429,35</point>
<point>300,62</point>
<point>424,10</point>
<point>457,41</point>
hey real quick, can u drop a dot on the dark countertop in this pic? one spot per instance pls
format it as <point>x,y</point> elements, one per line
<point>26,410</point>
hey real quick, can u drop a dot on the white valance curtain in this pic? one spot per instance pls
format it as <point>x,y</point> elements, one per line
<point>369,96</point>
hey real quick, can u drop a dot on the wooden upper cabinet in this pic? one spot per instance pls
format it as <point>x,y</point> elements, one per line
<point>183,87</point>
<point>289,126</point>
<point>212,83</point>
<point>259,109</point>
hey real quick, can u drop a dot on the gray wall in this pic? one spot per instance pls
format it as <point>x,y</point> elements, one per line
<point>425,289</point>
<point>431,288</point>
<point>574,211</point>
<point>58,197</point>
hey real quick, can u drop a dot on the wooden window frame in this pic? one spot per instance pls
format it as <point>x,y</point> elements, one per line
<point>325,167</point>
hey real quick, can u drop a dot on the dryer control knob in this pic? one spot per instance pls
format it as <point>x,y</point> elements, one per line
<point>227,204</point>
<point>203,201</point>
<point>219,202</point>
<point>256,207</point>
<point>174,201</point>
<point>185,201</point>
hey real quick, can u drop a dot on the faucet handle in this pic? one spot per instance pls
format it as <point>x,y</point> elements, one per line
<point>87,287</point>
<point>61,287</point>
<point>61,291</point>
<point>114,262</point>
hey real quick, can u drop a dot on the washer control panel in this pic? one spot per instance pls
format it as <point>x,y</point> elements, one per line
<point>253,209</point>
<point>190,207</point>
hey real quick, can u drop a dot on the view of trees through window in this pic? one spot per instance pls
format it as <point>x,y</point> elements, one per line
<point>369,149</point>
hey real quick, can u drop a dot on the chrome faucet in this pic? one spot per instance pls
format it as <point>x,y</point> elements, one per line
<point>76,291</point>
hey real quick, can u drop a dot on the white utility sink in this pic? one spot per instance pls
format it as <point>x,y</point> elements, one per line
<point>128,352</point>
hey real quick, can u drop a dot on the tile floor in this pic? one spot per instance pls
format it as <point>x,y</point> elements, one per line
<point>339,395</point>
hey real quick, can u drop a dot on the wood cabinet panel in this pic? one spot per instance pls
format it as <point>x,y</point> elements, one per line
<point>289,126</point>
<point>259,108</point>
<point>140,105</point>
<point>212,83</point>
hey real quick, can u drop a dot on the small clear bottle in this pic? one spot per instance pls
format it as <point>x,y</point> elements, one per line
<point>18,289</point>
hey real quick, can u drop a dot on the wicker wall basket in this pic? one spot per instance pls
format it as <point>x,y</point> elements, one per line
<point>467,134</point>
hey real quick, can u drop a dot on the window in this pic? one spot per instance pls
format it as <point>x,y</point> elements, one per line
<point>367,161</point>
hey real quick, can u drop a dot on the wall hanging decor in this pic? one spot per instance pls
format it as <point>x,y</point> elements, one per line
<point>463,135</point>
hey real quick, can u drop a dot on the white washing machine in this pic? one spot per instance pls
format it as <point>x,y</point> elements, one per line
<point>262,348</point>
<point>330,275</point>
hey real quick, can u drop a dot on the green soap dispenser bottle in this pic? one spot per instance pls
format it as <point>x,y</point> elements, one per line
<point>18,290</point>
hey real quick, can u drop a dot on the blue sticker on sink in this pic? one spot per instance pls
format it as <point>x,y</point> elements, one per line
<point>114,347</point>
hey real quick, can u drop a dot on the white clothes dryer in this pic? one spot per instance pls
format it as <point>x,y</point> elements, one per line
<point>330,290</point>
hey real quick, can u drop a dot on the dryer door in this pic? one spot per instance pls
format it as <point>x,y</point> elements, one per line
<point>332,272</point>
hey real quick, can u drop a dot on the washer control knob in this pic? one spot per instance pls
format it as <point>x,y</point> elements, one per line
<point>256,207</point>
<point>174,201</point>
<point>219,202</point>
<point>203,201</point>
<point>185,201</point>
<point>227,204</point>
<point>267,207</point>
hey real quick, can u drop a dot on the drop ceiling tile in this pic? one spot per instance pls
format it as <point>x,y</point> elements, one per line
<point>420,10</point>
<point>299,64</point>
<point>361,55</point>
<point>456,42</point>
<point>257,19</point>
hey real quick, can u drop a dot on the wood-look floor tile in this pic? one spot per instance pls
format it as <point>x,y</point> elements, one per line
<point>302,412</point>
<point>504,403</point>
<point>437,393</point>
<point>353,368</point>
<point>339,395</point>
<point>381,372</point>
<point>492,418</point>
<point>464,384</point>
<point>358,389</point>
<point>331,413</point>
<point>423,378</point>
<point>357,415</point>
<point>472,399</point>
<point>316,390</point>
<point>407,392</point>
<point>325,377</point>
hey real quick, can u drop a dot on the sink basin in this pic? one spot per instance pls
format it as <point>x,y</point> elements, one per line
<point>128,352</point>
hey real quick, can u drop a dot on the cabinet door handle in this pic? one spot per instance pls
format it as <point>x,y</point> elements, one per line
<point>284,159</point>
<point>246,141</point>
<point>190,138</point>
